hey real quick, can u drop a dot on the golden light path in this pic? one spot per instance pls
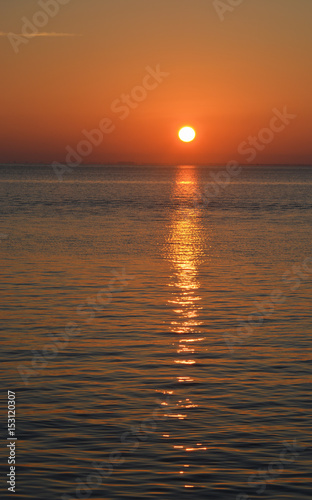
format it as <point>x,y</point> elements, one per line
<point>185,251</point>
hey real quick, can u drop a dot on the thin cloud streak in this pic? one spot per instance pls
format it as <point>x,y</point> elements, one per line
<point>38,34</point>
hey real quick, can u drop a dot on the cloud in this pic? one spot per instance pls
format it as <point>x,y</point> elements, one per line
<point>39,34</point>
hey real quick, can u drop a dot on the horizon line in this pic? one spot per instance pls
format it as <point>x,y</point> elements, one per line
<point>134,164</point>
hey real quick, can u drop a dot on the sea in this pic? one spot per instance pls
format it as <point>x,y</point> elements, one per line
<point>156,332</point>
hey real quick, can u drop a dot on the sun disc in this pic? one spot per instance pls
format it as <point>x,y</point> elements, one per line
<point>187,134</point>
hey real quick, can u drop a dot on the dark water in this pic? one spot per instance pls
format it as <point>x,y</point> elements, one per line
<point>157,348</point>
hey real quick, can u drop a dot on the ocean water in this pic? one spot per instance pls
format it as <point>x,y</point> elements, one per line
<point>157,347</point>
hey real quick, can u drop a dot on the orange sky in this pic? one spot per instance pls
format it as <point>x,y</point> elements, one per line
<point>225,73</point>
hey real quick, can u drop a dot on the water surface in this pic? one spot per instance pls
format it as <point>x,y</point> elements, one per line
<point>161,381</point>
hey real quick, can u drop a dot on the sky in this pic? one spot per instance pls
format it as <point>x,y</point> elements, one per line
<point>108,81</point>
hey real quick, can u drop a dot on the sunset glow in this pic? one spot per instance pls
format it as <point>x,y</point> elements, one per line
<point>222,77</point>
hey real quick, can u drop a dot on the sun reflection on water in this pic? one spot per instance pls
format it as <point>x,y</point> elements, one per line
<point>185,252</point>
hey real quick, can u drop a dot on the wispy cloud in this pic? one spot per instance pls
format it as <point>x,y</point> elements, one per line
<point>33,35</point>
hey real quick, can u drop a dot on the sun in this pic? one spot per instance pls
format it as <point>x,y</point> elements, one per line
<point>187,134</point>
